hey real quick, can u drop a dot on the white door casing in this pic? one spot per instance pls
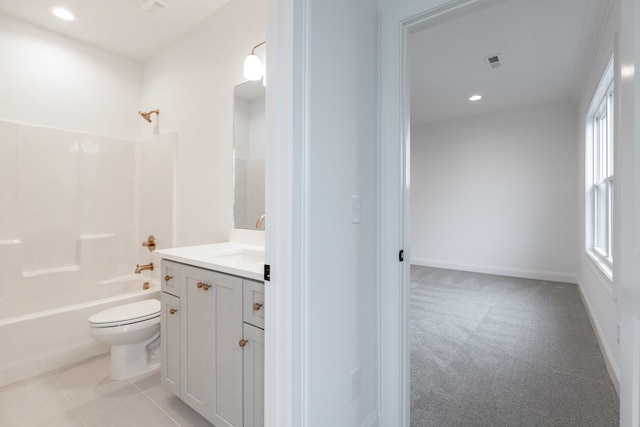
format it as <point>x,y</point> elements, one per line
<point>286,207</point>
<point>627,220</point>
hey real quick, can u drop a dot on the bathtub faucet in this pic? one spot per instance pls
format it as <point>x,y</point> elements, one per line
<point>140,268</point>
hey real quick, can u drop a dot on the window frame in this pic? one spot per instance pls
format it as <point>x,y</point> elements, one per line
<point>600,174</point>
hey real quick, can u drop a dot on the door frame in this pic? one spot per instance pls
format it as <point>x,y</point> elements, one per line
<point>287,325</point>
<point>627,267</point>
<point>396,23</point>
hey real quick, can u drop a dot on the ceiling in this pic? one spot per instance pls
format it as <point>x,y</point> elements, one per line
<point>133,28</point>
<point>545,48</point>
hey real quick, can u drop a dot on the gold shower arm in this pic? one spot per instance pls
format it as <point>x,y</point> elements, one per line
<point>147,115</point>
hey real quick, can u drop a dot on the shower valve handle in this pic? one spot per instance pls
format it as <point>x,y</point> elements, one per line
<point>150,243</point>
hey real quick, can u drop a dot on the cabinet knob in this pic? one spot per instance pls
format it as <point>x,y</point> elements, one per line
<point>199,285</point>
<point>167,278</point>
<point>242,343</point>
<point>205,286</point>
<point>173,311</point>
<point>257,306</point>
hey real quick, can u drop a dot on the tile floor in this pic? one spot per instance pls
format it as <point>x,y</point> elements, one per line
<point>83,395</point>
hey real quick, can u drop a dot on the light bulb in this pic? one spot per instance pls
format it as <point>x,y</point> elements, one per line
<point>252,67</point>
<point>63,13</point>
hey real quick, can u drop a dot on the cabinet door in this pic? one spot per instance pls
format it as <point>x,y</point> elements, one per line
<point>170,342</point>
<point>253,361</point>
<point>212,359</point>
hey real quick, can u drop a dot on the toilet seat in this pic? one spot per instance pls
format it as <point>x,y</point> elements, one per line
<point>126,314</point>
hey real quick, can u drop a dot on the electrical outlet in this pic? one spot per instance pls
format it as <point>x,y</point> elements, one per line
<point>355,384</point>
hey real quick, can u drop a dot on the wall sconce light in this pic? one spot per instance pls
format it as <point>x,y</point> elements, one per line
<point>253,69</point>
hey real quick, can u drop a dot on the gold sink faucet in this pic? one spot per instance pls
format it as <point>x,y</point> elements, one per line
<point>260,221</point>
<point>140,268</point>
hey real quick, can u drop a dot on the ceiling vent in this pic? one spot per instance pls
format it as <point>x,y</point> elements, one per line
<point>152,5</point>
<point>494,61</point>
<point>148,5</point>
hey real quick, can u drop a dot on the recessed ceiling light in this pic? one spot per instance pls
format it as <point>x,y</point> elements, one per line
<point>475,98</point>
<point>63,13</point>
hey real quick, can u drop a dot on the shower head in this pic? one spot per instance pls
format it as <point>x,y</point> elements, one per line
<point>147,115</point>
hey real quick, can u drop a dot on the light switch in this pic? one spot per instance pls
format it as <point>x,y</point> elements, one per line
<point>355,209</point>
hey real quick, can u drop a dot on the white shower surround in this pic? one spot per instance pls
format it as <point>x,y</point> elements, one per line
<point>77,207</point>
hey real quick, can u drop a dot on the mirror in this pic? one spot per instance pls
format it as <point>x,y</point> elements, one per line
<point>249,138</point>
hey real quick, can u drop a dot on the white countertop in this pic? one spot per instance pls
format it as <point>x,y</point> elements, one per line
<point>238,259</point>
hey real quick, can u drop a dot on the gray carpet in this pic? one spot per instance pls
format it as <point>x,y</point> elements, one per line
<point>500,351</point>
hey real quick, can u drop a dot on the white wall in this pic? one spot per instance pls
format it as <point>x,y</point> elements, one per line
<point>497,194</point>
<point>342,162</point>
<point>191,81</point>
<point>596,289</point>
<point>51,80</point>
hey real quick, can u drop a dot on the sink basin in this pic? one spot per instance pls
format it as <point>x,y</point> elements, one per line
<point>243,256</point>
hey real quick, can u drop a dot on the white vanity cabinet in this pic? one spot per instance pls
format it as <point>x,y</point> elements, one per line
<point>212,359</point>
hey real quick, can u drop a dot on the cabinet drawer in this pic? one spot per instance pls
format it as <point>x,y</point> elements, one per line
<point>253,302</point>
<point>170,277</point>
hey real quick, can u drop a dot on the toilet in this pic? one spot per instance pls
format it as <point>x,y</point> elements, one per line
<point>133,332</point>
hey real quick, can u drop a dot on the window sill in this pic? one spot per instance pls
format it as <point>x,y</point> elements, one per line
<point>603,268</point>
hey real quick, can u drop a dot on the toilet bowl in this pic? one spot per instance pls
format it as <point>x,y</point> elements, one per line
<point>133,332</point>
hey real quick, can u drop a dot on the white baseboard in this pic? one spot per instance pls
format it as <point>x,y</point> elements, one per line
<point>550,276</point>
<point>609,360</point>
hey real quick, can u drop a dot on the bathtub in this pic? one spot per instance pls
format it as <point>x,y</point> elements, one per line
<point>47,340</point>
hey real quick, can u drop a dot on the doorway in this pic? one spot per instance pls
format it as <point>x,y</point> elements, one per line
<point>396,190</point>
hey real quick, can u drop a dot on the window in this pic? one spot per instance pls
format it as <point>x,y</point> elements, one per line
<point>600,174</point>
